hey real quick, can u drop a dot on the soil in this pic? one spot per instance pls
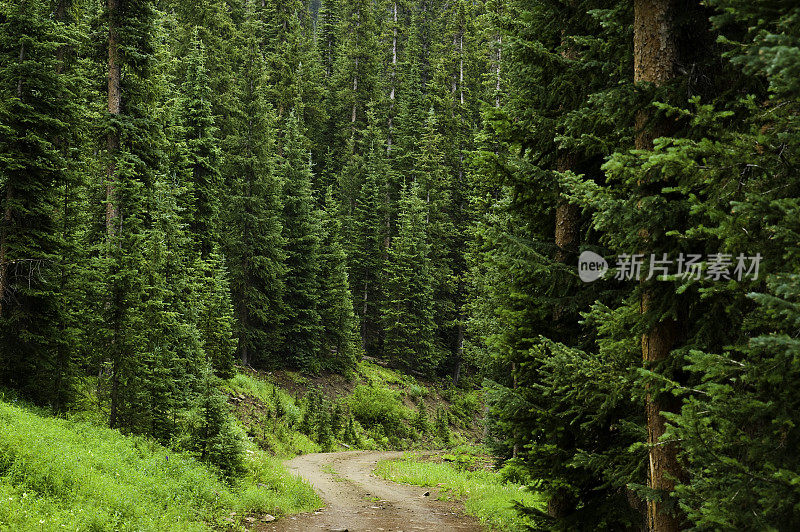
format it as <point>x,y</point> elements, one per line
<point>356,500</point>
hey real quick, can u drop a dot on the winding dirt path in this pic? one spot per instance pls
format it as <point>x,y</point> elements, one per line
<point>356,500</point>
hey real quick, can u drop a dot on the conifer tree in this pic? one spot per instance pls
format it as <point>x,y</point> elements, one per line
<point>133,157</point>
<point>734,426</point>
<point>215,316</point>
<point>367,240</point>
<point>533,296</point>
<point>202,151</point>
<point>407,312</point>
<point>294,65</point>
<point>355,72</point>
<point>37,111</point>
<point>301,325</point>
<point>436,188</point>
<point>254,244</point>
<point>340,335</point>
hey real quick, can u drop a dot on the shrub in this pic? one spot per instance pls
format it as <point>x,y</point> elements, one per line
<point>378,406</point>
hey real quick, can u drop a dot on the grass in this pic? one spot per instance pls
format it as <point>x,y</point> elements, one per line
<point>376,375</point>
<point>58,474</point>
<point>279,436</point>
<point>379,402</point>
<point>484,494</point>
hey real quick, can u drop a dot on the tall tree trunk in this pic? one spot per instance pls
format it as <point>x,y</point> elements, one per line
<point>567,239</point>
<point>497,72</point>
<point>394,79</point>
<point>364,316</point>
<point>114,108</point>
<point>655,56</point>
<point>459,350</point>
<point>515,432</point>
<point>461,67</point>
<point>112,212</point>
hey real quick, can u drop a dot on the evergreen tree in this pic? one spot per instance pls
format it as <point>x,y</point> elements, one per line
<point>355,75</point>
<point>735,427</point>
<point>202,151</point>
<point>38,108</point>
<point>407,313</point>
<point>436,187</point>
<point>132,158</point>
<point>215,316</point>
<point>367,240</point>
<point>340,335</point>
<point>254,244</point>
<point>301,325</point>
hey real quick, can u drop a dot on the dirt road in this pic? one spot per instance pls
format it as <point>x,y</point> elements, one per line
<point>358,501</point>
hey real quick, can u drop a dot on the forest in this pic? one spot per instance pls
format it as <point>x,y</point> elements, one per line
<point>587,212</point>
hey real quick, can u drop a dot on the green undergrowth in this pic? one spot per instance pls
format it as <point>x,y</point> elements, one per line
<point>379,409</point>
<point>270,416</point>
<point>61,474</point>
<point>484,493</point>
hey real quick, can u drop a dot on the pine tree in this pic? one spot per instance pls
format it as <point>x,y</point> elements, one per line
<point>436,188</point>
<point>735,427</point>
<point>530,320</point>
<point>367,239</point>
<point>38,109</point>
<point>340,335</point>
<point>301,325</point>
<point>294,66</point>
<point>133,158</point>
<point>355,73</point>
<point>407,312</point>
<point>215,316</point>
<point>254,244</point>
<point>202,151</point>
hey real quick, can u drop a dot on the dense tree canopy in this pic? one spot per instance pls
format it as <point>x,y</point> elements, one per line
<point>294,185</point>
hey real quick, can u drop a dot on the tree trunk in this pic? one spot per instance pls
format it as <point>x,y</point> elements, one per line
<point>497,73</point>
<point>114,107</point>
<point>243,352</point>
<point>112,143</point>
<point>567,235</point>
<point>655,56</point>
<point>515,435</point>
<point>459,350</point>
<point>394,79</point>
<point>461,67</point>
<point>567,240</point>
<point>364,317</point>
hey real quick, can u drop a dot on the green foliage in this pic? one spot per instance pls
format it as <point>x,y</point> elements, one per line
<point>254,245</point>
<point>420,421</point>
<point>301,327</point>
<point>340,335</point>
<point>56,473</point>
<point>38,107</point>
<point>441,426</point>
<point>407,314</point>
<point>212,434</point>
<point>272,417</point>
<point>373,406</point>
<point>215,320</point>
